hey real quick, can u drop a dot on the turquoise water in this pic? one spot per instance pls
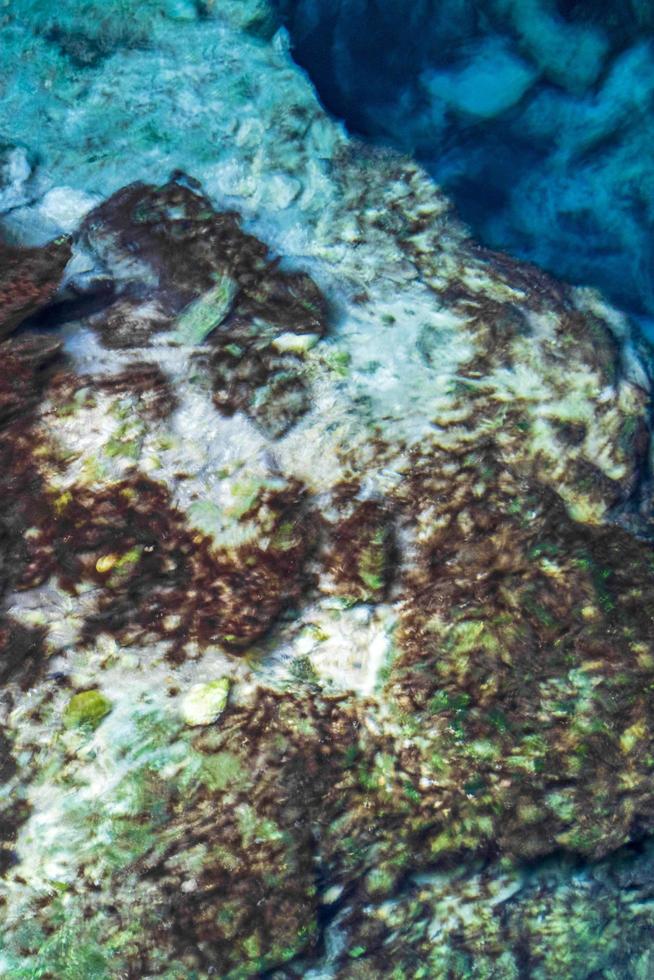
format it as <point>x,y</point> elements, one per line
<point>537,116</point>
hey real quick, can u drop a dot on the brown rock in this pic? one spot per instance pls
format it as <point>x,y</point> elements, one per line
<point>28,279</point>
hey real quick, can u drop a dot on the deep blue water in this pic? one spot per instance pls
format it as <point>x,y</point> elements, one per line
<point>537,117</point>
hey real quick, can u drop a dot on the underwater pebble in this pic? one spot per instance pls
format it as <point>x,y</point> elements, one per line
<point>86,710</point>
<point>205,703</point>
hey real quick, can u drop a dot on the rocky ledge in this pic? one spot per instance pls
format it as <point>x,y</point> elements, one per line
<point>327,591</point>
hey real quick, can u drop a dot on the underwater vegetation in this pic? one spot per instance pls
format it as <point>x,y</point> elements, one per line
<point>535,115</point>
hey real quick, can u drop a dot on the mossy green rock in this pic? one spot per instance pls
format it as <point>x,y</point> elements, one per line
<point>86,710</point>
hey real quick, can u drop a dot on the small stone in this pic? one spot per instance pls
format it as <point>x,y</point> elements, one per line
<point>15,171</point>
<point>106,563</point>
<point>64,207</point>
<point>204,703</point>
<point>86,710</point>
<point>295,343</point>
<point>331,895</point>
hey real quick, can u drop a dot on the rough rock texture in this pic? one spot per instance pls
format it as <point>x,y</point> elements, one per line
<point>28,278</point>
<point>388,493</point>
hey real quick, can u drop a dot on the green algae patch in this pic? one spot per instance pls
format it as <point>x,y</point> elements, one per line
<point>532,689</point>
<point>86,710</point>
<point>222,770</point>
<point>360,549</point>
<point>206,313</point>
<point>337,361</point>
<point>372,566</point>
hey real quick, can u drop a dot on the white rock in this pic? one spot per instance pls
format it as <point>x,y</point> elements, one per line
<point>295,343</point>
<point>65,207</point>
<point>15,171</point>
<point>205,703</point>
<point>58,212</point>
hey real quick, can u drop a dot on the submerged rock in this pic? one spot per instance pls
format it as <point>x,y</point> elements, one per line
<point>396,542</point>
<point>86,710</point>
<point>173,257</point>
<point>15,172</point>
<point>28,278</point>
<point>27,362</point>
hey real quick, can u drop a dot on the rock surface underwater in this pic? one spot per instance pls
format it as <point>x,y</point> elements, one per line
<point>327,579</point>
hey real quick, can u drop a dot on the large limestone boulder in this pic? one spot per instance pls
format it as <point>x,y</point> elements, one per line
<point>386,493</point>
